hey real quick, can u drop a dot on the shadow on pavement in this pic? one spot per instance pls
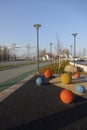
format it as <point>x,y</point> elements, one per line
<point>70,119</point>
<point>35,107</point>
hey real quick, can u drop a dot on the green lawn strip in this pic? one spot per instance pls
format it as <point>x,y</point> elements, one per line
<point>15,80</point>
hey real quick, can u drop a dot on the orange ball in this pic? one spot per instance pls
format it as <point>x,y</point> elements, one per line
<point>48,73</point>
<point>77,75</point>
<point>66,96</point>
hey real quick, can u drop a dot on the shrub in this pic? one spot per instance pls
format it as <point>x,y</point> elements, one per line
<point>55,67</point>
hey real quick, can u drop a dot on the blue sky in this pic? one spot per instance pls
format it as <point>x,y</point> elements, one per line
<point>59,18</point>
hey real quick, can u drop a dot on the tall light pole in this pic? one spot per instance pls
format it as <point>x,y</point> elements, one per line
<point>51,50</point>
<point>71,49</point>
<point>2,52</point>
<point>74,34</point>
<point>37,26</point>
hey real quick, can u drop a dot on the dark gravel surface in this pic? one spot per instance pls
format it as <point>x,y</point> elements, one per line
<point>33,107</point>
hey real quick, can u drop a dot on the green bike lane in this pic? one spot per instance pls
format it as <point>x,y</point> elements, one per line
<point>13,76</point>
<point>8,83</point>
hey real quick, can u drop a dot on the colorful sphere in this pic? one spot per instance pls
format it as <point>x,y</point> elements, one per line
<point>39,81</point>
<point>66,78</point>
<point>70,68</point>
<point>66,96</point>
<point>77,75</point>
<point>80,89</point>
<point>48,73</point>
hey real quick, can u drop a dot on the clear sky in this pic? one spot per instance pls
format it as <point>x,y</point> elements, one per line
<point>59,19</point>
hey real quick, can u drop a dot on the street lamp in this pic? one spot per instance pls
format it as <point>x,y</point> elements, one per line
<point>71,49</point>
<point>37,28</point>
<point>2,52</point>
<point>51,50</point>
<point>74,34</point>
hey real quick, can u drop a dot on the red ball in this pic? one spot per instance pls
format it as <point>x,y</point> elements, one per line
<point>77,75</point>
<point>48,73</point>
<point>66,96</point>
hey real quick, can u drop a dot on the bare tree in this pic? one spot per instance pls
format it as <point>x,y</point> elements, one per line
<point>42,53</point>
<point>4,53</point>
<point>65,52</point>
<point>58,47</point>
<point>84,52</point>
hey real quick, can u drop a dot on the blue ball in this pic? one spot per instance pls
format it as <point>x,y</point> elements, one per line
<point>80,89</point>
<point>39,81</point>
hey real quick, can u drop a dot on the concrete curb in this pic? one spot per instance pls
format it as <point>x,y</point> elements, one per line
<point>84,67</point>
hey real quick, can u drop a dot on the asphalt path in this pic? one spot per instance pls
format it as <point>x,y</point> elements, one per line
<point>33,107</point>
<point>13,72</point>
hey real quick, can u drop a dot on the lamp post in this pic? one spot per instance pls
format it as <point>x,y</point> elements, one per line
<point>51,50</point>
<point>71,49</point>
<point>74,34</point>
<point>2,52</point>
<point>37,26</point>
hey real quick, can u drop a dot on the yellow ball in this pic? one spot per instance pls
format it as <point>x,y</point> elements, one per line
<point>66,78</point>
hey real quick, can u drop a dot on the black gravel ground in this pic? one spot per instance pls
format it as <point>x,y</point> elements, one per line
<point>33,107</point>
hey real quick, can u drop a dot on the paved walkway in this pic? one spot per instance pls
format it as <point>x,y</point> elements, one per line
<point>14,72</point>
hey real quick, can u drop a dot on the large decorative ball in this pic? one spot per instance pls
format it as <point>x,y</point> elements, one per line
<point>70,68</point>
<point>40,81</point>
<point>66,78</point>
<point>77,75</point>
<point>67,96</point>
<point>80,88</point>
<point>48,73</point>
